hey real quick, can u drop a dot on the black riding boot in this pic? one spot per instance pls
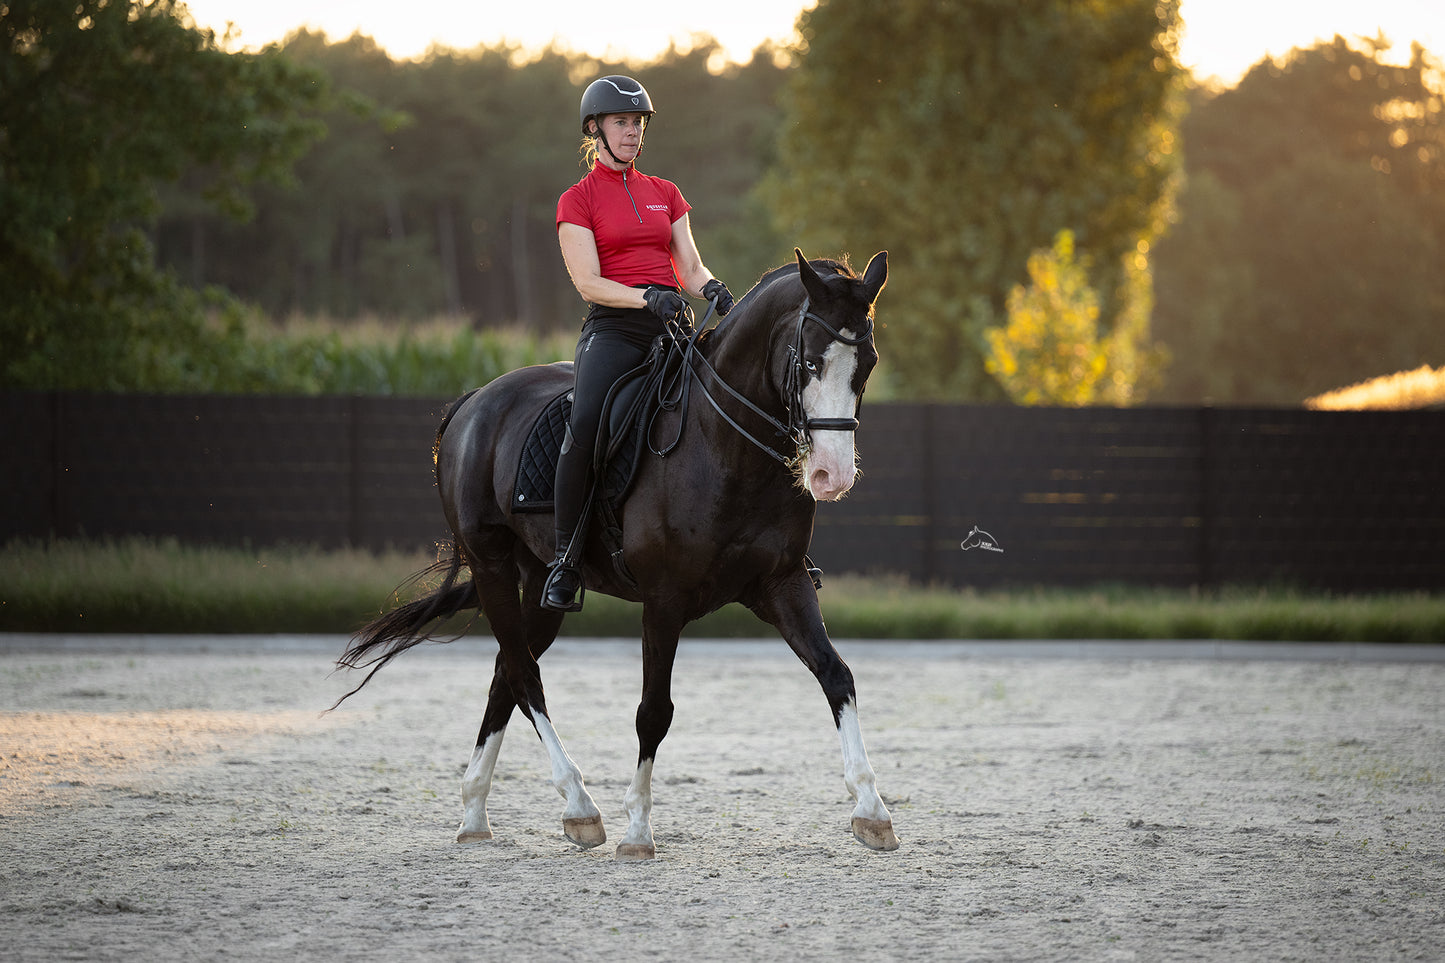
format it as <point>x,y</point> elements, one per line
<point>570,497</point>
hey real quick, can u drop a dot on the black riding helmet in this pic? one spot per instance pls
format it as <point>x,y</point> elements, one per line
<point>614,95</point>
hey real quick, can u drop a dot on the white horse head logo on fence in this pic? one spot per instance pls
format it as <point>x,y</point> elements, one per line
<point>980,539</point>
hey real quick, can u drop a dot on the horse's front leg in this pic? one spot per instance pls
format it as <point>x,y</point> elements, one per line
<point>872,823</point>
<point>793,609</point>
<point>654,718</point>
<point>637,844</point>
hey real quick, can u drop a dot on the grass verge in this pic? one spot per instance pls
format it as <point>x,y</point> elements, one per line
<point>161,586</point>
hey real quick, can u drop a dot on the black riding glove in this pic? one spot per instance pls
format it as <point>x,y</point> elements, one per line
<point>664,302</point>
<point>716,288</point>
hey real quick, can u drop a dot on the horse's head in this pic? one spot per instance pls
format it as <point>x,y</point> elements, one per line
<point>825,367</point>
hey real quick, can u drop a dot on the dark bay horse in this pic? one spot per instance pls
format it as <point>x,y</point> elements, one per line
<point>725,517</point>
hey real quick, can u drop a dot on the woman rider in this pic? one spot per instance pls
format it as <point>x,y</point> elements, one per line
<point>629,249</point>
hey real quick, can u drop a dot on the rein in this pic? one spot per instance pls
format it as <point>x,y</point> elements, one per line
<point>798,424</point>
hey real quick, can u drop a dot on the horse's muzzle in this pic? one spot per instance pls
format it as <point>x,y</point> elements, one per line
<point>830,470</point>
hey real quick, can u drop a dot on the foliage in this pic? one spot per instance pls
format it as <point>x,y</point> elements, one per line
<point>243,353</point>
<point>1303,254</point>
<point>440,197</point>
<point>143,585</point>
<point>146,585</point>
<point>1312,229</point>
<point>1003,125</point>
<point>438,359</point>
<point>101,103</point>
<point>1052,350</point>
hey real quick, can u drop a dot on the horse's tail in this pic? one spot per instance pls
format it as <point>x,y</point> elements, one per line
<point>392,633</point>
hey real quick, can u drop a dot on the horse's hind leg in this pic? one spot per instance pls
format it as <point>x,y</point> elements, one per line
<point>523,630</point>
<point>477,783</point>
<point>793,609</point>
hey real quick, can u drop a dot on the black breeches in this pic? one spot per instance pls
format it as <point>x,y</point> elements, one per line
<point>602,358</point>
<point>604,354</point>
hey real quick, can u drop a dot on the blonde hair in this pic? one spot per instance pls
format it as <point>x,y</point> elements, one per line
<point>588,150</point>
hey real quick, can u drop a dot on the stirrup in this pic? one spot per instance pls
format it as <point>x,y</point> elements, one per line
<point>563,602</point>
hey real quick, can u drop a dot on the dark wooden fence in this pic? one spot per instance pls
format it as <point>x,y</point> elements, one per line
<point>1150,496</point>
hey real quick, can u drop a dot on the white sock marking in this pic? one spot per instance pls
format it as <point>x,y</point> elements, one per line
<point>565,774</point>
<point>857,772</point>
<point>639,806</point>
<point>477,785</point>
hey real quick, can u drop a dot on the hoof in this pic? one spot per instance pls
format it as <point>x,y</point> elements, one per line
<point>875,833</point>
<point>473,835</point>
<point>585,831</point>
<point>635,852</point>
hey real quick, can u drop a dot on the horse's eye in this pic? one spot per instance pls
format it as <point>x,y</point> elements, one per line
<point>812,364</point>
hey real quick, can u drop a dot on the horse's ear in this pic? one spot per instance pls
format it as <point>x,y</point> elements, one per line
<point>875,276</point>
<point>813,284</point>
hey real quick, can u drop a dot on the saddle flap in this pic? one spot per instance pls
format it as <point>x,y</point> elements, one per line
<point>619,448</point>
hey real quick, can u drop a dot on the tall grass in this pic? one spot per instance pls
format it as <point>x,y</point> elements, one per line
<point>144,585</point>
<point>161,586</point>
<point>239,351</point>
<point>441,357</point>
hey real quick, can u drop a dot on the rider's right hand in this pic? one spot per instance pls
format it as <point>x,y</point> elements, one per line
<point>664,302</point>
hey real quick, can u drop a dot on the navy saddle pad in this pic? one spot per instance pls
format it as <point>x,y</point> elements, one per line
<point>537,469</point>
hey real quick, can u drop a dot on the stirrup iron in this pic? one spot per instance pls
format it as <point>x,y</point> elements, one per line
<point>562,567</point>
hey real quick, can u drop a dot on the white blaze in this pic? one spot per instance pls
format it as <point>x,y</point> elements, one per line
<point>830,467</point>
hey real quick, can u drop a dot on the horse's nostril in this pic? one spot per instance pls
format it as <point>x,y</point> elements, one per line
<point>826,486</point>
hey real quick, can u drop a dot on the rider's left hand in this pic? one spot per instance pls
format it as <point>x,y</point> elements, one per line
<point>719,290</point>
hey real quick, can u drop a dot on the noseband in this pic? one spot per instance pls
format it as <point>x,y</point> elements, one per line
<point>798,424</point>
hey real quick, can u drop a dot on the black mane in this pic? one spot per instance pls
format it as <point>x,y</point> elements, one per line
<point>824,266</point>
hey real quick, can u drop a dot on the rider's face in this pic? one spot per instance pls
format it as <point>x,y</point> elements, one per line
<point>624,135</point>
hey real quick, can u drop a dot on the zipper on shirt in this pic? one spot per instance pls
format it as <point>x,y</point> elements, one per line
<point>630,197</point>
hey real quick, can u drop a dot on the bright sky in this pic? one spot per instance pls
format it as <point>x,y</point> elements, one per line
<point>1223,38</point>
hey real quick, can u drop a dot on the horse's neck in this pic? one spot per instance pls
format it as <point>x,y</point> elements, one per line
<point>739,351</point>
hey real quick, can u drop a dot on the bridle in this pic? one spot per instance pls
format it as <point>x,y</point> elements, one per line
<point>798,424</point>
<point>793,386</point>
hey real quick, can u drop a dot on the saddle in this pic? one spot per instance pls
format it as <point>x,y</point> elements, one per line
<point>628,413</point>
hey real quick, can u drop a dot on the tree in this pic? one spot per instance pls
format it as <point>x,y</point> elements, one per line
<point>437,191</point>
<point>964,136</point>
<point>100,102</point>
<point>1052,351</point>
<point>1049,352</point>
<point>716,136</point>
<point>1312,229</point>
